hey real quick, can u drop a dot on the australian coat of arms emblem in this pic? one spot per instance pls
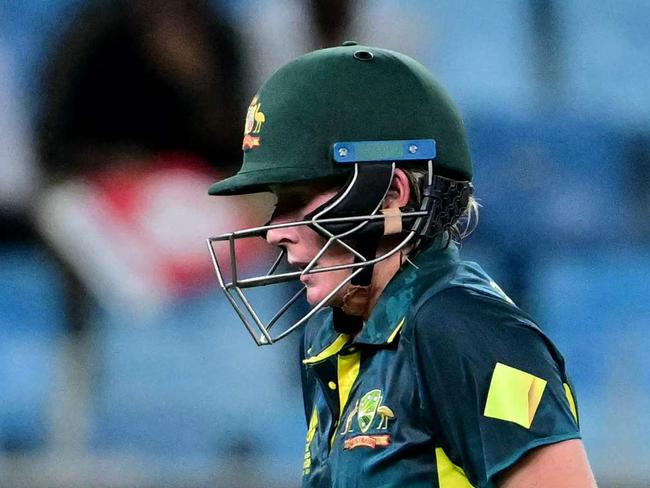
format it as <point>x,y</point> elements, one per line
<point>255,118</point>
<point>370,413</point>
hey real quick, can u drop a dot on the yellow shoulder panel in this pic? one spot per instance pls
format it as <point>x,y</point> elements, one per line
<point>514,395</point>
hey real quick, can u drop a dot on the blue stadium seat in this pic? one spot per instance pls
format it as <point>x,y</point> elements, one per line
<point>31,328</point>
<point>187,386</point>
<point>549,181</point>
<point>596,306</point>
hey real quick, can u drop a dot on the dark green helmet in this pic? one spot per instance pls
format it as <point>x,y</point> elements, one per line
<point>347,93</point>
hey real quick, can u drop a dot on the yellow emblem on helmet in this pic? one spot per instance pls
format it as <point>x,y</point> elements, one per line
<point>255,118</point>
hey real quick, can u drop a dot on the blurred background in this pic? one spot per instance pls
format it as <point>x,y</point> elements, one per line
<point>121,365</point>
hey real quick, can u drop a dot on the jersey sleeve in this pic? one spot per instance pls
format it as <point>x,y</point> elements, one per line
<point>491,382</point>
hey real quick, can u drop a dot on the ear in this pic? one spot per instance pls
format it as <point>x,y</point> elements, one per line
<point>399,191</point>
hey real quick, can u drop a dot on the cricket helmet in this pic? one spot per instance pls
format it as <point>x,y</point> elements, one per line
<point>350,112</point>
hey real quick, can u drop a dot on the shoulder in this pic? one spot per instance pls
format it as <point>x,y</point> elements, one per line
<point>476,326</point>
<point>468,309</point>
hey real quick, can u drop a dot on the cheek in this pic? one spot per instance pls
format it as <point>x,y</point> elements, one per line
<point>333,257</point>
<point>312,241</point>
<point>337,254</point>
<point>321,284</point>
<point>311,244</point>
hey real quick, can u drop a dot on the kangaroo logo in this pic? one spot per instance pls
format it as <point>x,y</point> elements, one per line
<point>255,118</point>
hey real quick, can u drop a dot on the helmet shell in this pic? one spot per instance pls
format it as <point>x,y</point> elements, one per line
<point>346,93</point>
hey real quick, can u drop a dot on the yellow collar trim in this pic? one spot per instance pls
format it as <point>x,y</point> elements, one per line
<point>392,336</point>
<point>330,350</point>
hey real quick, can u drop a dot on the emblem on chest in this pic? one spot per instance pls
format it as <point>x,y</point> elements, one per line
<point>370,414</point>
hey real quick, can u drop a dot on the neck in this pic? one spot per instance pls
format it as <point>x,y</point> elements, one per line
<point>381,276</point>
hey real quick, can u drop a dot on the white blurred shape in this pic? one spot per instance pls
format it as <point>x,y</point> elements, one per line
<point>18,174</point>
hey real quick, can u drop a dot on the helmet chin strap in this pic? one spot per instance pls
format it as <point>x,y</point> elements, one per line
<point>348,318</point>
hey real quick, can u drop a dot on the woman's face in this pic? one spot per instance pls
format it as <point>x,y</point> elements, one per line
<point>303,244</point>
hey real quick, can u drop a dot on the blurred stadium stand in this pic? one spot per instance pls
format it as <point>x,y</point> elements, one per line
<point>31,346</point>
<point>189,388</point>
<point>595,304</point>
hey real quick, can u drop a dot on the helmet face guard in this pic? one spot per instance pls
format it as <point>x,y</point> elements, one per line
<point>353,216</point>
<point>336,230</point>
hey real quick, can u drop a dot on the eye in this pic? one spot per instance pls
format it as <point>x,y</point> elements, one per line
<point>291,203</point>
<point>286,206</point>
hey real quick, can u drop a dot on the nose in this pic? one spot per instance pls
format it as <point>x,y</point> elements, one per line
<point>283,235</point>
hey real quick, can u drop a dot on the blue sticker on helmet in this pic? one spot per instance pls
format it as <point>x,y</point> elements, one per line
<point>381,151</point>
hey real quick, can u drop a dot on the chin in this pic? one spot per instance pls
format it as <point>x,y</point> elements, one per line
<point>321,285</point>
<point>314,295</point>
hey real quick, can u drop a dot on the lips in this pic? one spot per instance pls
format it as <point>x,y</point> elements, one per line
<point>300,266</point>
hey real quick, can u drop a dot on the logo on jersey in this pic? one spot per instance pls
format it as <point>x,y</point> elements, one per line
<point>255,119</point>
<point>369,413</point>
<point>370,441</point>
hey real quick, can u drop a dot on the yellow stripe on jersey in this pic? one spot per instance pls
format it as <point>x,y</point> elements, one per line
<point>313,424</point>
<point>449,475</point>
<point>347,372</point>
<point>311,431</point>
<point>396,331</point>
<point>572,402</point>
<point>514,395</point>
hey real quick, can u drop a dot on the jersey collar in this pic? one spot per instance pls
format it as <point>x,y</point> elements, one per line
<point>389,315</point>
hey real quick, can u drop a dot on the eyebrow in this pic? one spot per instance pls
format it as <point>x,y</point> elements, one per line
<point>283,193</point>
<point>306,189</point>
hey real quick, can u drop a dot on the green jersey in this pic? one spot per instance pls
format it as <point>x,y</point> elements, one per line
<point>448,384</point>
